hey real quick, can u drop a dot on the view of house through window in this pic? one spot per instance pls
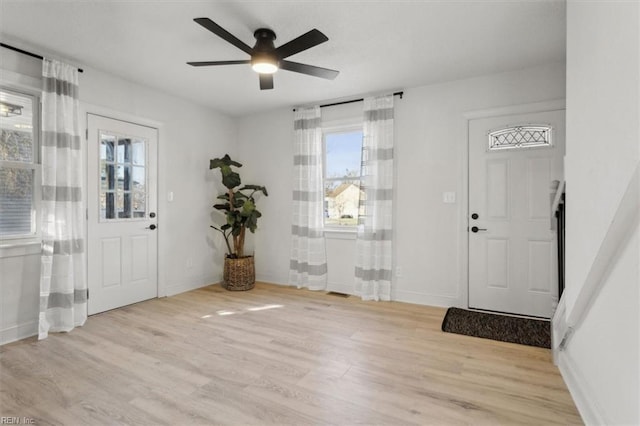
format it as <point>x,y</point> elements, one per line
<point>343,154</point>
<point>18,164</point>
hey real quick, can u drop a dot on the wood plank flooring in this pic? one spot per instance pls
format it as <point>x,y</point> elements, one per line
<point>277,355</point>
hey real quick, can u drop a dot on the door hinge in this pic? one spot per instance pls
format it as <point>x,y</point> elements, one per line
<point>87,294</point>
<point>87,213</point>
<point>86,134</point>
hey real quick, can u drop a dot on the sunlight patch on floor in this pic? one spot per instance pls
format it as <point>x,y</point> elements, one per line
<point>225,312</point>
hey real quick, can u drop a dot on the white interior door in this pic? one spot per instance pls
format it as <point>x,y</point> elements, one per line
<point>123,242</point>
<point>515,162</point>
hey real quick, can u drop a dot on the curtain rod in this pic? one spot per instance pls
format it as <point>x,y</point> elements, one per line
<point>353,100</point>
<point>24,52</point>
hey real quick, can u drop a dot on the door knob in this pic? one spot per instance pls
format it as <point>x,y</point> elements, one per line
<point>476,229</point>
<point>152,227</point>
<point>474,216</point>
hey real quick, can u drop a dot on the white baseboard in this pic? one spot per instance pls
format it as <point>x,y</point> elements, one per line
<point>425,299</point>
<point>172,290</point>
<point>587,406</point>
<point>341,288</point>
<point>271,279</point>
<point>399,296</point>
<point>18,332</point>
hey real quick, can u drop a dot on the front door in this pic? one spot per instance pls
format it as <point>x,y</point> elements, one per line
<point>123,243</point>
<point>515,164</point>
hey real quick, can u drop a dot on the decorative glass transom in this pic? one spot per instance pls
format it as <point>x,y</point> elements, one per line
<point>520,137</point>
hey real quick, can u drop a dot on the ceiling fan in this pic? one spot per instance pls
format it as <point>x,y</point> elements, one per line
<point>266,59</point>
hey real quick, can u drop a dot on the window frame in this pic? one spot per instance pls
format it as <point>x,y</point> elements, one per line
<point>338,127</point>
<point>35,165</point>
<point>119,136</point>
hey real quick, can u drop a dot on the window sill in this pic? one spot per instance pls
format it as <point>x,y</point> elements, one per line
<point>340,234</point>
<point>17,248</point>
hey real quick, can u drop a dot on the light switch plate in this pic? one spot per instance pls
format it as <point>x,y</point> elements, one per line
<point>449,197</point>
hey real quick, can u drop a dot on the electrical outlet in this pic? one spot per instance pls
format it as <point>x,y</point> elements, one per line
<point>398,271</point>
<point>189,263</point>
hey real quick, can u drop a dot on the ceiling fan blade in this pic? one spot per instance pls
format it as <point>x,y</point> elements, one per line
<point>309,69</point>
<point>224,34</point>
<point>266,81</point>
<point>304,42</point>
<point>209,63</point>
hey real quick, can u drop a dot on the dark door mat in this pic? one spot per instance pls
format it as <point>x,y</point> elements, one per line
<point>504,328</point>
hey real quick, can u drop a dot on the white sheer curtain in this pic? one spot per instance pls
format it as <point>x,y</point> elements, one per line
<point>63,290</point>
<point>308,265</point>
<point>374,239</point>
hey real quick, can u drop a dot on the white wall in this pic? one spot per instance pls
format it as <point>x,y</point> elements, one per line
<point>19,292</point>
<point>430,143</point>
<point>189,135</point>
<point>601,362</point>
<point>603,78</point>
<point>267,160</point>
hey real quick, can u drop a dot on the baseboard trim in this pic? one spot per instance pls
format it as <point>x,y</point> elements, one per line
<point>398,296</point>
<point>174,289</point>
<point>271,279</point>
<point>341,288</point>
<point>587,406</point>
<point>425,299</point>
<point>18,332</point>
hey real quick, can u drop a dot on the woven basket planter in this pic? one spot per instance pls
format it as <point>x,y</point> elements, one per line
<point>239,274</point>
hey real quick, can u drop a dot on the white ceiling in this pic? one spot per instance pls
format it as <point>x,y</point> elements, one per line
<point>377,46</point>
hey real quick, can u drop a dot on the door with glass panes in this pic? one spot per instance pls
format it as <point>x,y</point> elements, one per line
<point>123,241</point>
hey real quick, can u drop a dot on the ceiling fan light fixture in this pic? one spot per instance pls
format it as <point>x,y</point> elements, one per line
<point>264,65</point>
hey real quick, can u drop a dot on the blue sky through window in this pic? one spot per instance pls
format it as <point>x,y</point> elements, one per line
<point>343,153</point>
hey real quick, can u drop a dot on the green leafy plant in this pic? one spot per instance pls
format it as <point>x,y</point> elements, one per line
<point>239,206</point>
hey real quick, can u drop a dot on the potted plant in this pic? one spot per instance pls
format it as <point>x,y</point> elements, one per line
<point>239,208</point>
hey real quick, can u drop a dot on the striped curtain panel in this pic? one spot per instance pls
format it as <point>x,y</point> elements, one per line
<point>374,238</point>
<point>63,290</point>
<point>308,265</point>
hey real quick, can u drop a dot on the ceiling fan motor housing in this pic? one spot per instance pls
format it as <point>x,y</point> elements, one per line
<point>264,50</point>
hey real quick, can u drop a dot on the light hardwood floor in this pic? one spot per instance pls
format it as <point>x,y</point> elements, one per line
<point>277,355</point>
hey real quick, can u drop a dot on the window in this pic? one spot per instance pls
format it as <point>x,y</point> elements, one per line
<point>19,168</point>
<point>123,192</point>
<point>343,158</point>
